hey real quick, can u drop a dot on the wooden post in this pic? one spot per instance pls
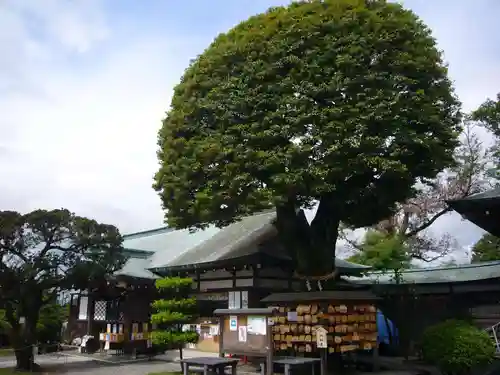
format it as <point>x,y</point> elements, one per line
<point>376,359</point>
<point>322,345</point>
<point>270,349</point>
<point>221,336</point>
<point>324,361</point>
<point>90,312</point>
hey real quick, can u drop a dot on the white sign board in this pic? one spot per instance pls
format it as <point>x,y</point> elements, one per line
<point>242,334</point>
<point>321,340</point>
<point>256,325</point>
<point>233,323</point>
<point>214,330</point>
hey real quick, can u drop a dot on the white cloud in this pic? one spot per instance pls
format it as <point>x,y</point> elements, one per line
<point>81,99</point>
<point>77,138</point>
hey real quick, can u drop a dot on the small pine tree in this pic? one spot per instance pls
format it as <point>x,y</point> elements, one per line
<point>174,310</point>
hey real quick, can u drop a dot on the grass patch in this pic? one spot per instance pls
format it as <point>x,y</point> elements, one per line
<point>6,352</point>
<point>11,371</point>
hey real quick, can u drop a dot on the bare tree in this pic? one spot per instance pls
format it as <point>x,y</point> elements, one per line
<point>413,217</point>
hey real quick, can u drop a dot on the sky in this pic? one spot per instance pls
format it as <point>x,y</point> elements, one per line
<point>84,85</point>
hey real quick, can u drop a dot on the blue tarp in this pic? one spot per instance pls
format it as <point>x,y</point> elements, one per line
<point>386,329</point>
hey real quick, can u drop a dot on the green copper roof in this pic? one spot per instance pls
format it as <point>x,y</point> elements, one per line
<point>236,240</point>
<point>149,248</point>
<point>453,274</point>
<point>165,244</point>
<point>168,248</point>
<point>243,238</point>
<point>137,267</point>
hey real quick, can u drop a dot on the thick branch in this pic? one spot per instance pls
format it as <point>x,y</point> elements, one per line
<point>352,243</point>
<point>429,260</point>
<point>11,250</point>
<point>428,223</point>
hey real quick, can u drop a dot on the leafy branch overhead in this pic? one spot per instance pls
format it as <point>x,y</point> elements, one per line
<point>342,102</point>
<point>412,219</point>
<point>488,115</point>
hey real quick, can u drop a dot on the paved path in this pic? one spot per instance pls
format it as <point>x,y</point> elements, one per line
<point>99,368</point>
<point>73,364</point>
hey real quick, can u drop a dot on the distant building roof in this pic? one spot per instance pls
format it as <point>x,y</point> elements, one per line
<point>449,274</point>
<point>236,240</point>
<point>165,243</point>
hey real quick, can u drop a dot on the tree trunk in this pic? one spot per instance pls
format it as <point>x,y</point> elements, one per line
<point>24,342</point>
<point>311,246</point>
<point>24,359</point>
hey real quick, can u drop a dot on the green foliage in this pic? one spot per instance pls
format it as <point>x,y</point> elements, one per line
<point>173,283</point>
<point>4,323</point>
<point>170,317</point>
<point>44,252</point>
<point>456,347</point>
<point>53,314</point>
<point>188,303</point>
<point>486,249</point>
<point>345,102</point>
<point>174,338</point>
<point>49,325</point>
<point>175,309</point>
<point>488,115</point>
<point>383,251</point>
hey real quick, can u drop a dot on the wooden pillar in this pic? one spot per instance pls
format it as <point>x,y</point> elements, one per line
<point>90,312</point>
<point>221,335</point>
<point>270,348</point>
<point>376,359</point>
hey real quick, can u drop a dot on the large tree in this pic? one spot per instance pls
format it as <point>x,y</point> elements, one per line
<point>341,103</point>
<point>43,253</point>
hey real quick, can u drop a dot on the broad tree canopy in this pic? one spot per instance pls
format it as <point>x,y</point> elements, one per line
<point>346,103</point>
<point>42,253</point>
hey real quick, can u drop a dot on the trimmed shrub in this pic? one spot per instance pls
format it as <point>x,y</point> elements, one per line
<point>456,347</point>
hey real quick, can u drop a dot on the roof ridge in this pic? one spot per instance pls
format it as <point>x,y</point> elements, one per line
<point>441,268</point>
<point>148,232</point>
<point>166,229</point>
